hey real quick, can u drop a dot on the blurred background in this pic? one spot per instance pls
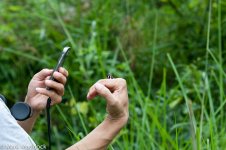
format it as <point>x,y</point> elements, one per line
<point>171,52</point>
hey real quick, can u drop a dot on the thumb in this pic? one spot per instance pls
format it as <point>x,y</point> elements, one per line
<point>104,92</point>
<point>41,75</point>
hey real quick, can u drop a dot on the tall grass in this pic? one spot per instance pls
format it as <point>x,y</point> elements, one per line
<point>174,103</point>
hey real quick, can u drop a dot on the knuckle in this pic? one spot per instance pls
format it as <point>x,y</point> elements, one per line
<point>122,81</point>
<point>61,87</point>
<point>103,92</point>
<point>56,74</point>
<point>64,79</point>
<point>62,92</point>
<point>100,81</point>
<point>52,94</point>
<point>44,70</point>
<point>59,99</point>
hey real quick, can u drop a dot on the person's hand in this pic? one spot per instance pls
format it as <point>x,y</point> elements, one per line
<point>115,93</point>
<point>37,94</point>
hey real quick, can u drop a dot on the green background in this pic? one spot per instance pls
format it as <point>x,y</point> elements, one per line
<point>171,52</point>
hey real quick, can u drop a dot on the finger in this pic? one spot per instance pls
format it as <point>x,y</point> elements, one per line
<point>113,84</point>
<point>42,74</point>
<point>49,93</point>
<point>101,90</point>
<point>53,85</point>
<point>109,83</point>
<point>47,78</point>
<point>92,93</point>
<point>63,71</point>
<point>60,77</point>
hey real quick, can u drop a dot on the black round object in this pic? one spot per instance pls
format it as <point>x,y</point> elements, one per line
<point>21,111</point>
<point>3,98</point>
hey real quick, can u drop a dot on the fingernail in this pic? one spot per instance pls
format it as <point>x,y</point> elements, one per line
<point>87,95</point>
<point>38,89</point>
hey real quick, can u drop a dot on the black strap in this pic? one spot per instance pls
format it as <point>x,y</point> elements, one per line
<point>48,121</point>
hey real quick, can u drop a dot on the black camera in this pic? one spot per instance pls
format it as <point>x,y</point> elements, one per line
<point>20,111</point>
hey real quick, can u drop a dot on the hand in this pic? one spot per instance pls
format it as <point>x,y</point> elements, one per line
<point>115,93</point>
<point>37,94</point>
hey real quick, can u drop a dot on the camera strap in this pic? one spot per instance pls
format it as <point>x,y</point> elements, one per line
<point>48,121</point>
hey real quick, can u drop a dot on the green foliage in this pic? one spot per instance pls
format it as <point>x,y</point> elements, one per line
<point>171,53</point>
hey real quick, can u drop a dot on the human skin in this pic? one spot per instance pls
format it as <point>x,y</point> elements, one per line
<point>114,91</point>
<point>37,94</point>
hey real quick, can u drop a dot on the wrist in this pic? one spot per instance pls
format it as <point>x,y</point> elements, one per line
<point>35,112</point>
<point>119,121</point>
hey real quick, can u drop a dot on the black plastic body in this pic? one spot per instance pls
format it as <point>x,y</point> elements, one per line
<point>60,61</point>
<point>21,111</point>
<point>59,64</point>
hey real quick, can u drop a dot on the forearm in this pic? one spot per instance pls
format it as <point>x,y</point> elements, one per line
<point>28,124</point>
<point>101,136</point>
